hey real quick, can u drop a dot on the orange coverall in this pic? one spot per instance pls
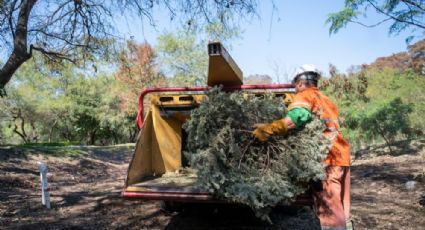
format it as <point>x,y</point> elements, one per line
<point>333,202</point>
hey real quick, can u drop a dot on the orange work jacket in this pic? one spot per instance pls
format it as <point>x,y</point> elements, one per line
<point>319,104</point>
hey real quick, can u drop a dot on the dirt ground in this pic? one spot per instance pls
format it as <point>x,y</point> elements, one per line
<point>388,192</point>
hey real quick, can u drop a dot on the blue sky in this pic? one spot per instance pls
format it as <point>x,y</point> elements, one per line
<point>297,34</point>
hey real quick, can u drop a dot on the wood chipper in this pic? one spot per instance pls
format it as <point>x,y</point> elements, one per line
<point>161,139</point>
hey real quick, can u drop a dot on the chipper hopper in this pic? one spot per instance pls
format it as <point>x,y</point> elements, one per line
<point>161,139</point>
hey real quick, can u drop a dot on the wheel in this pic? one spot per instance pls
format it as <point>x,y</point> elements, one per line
<point>171,206</point>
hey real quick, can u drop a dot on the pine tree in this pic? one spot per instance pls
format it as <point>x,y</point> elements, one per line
<point>233,166</point>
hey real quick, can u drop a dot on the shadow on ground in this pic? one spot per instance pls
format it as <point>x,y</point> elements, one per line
<point>403,147</point>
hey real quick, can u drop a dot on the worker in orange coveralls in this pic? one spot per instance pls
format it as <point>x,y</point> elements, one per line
<point>332,199</point>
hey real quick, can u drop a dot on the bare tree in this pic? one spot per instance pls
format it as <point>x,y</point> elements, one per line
<point>75,30</point>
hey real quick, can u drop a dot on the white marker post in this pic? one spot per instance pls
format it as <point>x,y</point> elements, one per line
<point>45,197</point>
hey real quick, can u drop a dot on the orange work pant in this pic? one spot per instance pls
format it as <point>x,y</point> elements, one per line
<point>332,203</point>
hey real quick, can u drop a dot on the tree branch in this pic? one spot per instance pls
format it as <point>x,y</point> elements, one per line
<point>411,13</point>
<point>52,54</point>
<point>370,26</point>
<point>21,133</point>
<point>10,19</point>
<point>414,4</point>
<point>393,17</point>
<point>19,54</point>
<point>58,37</point>
<point>203,10</point>
<point>75,28</point>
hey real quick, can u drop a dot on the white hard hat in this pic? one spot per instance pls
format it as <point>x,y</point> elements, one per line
<point>306,72</point>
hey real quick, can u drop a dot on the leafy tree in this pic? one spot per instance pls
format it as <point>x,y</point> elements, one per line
<point>388,120</point>
<point>412,59</point>
<point>346,87</point>
<point>378,103</point>
<point>75,30</point>
<point>94,115</point>
<point>404,14</point>
<point>21,124</point>
<point>115,126</point>
<point>66,104</point>
<point>137,70</point>
<point>258,79</point>
<point>417,56</point>
<point>398,61</point>
<point>184,57</point>
<point>388,84</point>
<point>33,100</point>
<point>85,95</point>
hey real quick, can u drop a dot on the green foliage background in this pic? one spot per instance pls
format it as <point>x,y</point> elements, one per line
<point>66,104</point>
<point>379,105</point>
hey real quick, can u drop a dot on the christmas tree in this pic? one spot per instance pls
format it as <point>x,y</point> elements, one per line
<point>233,166</point>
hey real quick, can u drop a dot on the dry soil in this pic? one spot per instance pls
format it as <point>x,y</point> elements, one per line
<point>388,192</point>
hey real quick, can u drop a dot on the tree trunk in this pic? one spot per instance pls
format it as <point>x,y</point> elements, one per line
<point>21,133</point>
<point>381,132</point>
<point>114,136</point>
<point>91,137</point>
<point>66,133</point>
<point>132,134</point>
<point>51,131</point>
<point>20,52</point>
<point>34,135</point>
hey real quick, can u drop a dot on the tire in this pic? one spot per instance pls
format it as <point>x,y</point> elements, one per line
<point>171,206</point>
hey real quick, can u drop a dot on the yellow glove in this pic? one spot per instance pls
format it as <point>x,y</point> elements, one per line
<point>263,131</point>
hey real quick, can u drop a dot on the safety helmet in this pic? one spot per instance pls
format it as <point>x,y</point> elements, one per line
<point>306,72</point>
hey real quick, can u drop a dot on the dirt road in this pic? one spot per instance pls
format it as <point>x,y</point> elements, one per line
<point>86,183</point>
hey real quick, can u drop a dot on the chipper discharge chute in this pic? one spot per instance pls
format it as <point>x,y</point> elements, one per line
<point>152,173</point>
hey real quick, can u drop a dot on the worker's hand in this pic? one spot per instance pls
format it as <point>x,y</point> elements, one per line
<point>263,131</point>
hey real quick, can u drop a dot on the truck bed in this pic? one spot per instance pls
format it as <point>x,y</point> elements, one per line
<point>171,183</point>
<point>171,186</point>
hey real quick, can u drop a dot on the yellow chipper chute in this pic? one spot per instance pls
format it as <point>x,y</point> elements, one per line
<point>222,70</point>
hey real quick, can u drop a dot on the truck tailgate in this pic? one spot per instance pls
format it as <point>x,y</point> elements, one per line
<point>177,188</point>
<point>180,189</point>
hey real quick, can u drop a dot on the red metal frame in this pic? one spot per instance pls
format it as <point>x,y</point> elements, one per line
<point>180,196</point>
<point>200,197</point>
<point>139,119</point>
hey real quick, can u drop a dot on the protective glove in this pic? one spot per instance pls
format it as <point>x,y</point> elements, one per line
<point>263,131</point>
